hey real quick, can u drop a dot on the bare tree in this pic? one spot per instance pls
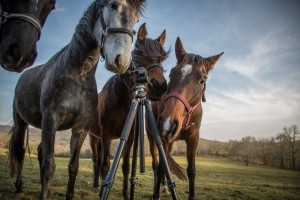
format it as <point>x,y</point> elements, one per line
<point>262,151</point>
<point>291,134</point>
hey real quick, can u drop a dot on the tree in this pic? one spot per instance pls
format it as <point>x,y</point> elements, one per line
<point>291,135</point>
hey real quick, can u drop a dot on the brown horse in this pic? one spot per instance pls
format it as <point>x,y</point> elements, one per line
<point>180,111</point>
<point>20,29</point>
<point>114,101</point>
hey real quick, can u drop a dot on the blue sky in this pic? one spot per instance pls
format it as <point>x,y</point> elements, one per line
<point>255,86</point>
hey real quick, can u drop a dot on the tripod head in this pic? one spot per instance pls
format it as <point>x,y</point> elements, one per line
<point>141,75</point>
<point>141,80</point>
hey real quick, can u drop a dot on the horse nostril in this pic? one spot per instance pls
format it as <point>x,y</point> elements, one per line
<point>13,51</point>
<point>160,123</point>
<point>174,126</point>
<point>118,60</point>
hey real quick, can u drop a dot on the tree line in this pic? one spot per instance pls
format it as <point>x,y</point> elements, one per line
<point>281,151</point>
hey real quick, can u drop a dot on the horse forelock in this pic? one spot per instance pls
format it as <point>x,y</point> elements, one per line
<point>151,49</point>
<point>138,5</point>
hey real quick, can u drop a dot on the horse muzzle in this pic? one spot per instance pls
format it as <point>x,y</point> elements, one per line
<point>156,90</point>
<point>14,60</point>
<point>118,65</point>
<point>168,130</point>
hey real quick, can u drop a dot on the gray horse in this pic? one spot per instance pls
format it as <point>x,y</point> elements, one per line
<point>62,94</point>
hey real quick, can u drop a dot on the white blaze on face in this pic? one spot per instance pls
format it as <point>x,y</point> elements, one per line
<point>185,71</point>
<point>166,126</point>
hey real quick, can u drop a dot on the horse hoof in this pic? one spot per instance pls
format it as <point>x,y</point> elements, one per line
<point>155,198</point>
<point>165,190</point>
<point>19,196</point>
<point>192,198</point>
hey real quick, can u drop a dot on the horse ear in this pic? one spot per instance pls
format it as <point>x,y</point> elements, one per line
<point>142,33</point>
<point>179,50</point>
<point>161,38</point>
<point>212,60</point>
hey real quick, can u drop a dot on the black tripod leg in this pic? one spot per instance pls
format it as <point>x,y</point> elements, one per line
<point>133,178</point>
<point>142,131</point>
<point>158,142</point>
<point>108,182</point>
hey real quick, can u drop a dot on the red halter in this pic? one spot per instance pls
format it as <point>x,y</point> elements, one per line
<point>188,107</point>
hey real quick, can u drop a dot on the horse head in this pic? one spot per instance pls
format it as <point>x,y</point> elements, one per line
<point>115,31</point>
<point>20,28</point>
<point>150,54</point>
<point>181,107</point>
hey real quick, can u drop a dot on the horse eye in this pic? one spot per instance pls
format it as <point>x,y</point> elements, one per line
<point>140,53</point>
<point>114,5</point>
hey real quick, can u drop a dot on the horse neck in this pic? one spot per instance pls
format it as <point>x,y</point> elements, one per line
<point>83,42</point>
<point>117,90</point>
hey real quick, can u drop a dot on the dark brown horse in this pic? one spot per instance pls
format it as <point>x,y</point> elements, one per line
<point>180,111</point>
<point>62,94</point>
<point>114,101</point>
<point>20,29</point>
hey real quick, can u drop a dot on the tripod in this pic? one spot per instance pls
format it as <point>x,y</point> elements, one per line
<point>140,105</point>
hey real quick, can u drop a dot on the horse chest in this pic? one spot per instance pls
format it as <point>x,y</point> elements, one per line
<point>73,103</point>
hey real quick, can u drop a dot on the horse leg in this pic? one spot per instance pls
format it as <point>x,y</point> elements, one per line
<point>76,142</point>
<point>154,154</point>
<point>17,150</point>
<point>191,169</point>
<point>106,142</point>
<point>40,159</point>
<point>49,127</point>
<point>126,165</point>
<point>168,149</point>
<point>159,174</point>
<point>95,144</point>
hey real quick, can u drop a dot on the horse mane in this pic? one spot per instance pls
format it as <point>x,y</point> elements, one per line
<point>83,39</point>
<point>138,5</point>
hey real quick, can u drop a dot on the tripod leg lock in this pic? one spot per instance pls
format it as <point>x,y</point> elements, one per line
<point>134,180</point>
<point>171,185</point>
<point>107,184</point>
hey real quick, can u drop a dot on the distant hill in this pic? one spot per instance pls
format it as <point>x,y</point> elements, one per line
<point>62,143</point>
<point>62,138</point>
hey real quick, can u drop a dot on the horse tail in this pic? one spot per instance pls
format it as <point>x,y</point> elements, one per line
<point>17,150</point>
<point>176,169</point>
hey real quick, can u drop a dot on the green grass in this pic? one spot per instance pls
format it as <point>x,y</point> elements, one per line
<point>216,179</point>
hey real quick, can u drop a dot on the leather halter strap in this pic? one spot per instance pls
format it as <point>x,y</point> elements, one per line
<point>190,109</point>
<point>107,30</point>
<point>155,65</point>
<point>5,16</point>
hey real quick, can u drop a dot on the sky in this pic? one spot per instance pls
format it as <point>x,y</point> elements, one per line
<point>253,90</point>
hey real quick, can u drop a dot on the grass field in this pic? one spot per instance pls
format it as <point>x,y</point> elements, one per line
<point>216,179</point>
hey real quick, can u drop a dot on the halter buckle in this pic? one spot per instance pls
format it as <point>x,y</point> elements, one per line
<point>3,17</point>
<point>105,31</point>
<point>102,58</point>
